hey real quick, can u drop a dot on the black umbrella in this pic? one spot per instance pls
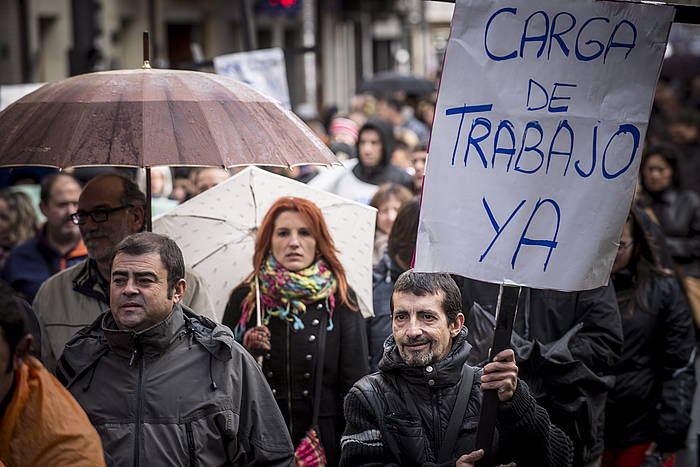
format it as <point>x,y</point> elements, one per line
<point>390,81</point>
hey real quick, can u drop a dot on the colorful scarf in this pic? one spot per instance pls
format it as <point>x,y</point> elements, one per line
<point>284,294</point>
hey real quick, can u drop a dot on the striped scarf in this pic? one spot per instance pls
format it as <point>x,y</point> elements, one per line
<point>284,294</point>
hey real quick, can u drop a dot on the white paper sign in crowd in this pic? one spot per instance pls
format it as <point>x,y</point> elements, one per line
<point>538,135</point>
<point>262,69</point>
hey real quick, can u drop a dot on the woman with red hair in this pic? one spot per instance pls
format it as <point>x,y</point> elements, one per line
<point>304,299</point>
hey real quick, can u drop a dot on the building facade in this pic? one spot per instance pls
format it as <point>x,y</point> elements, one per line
<point>330,45</point>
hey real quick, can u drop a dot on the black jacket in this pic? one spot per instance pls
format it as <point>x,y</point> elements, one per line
<point>678,213</point>
<point>289,367</point>
<point>566,343</point>
<point>655,378</point>
<point>380,429</point>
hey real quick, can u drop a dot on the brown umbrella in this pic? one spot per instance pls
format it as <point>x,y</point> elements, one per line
<point>150,117</point>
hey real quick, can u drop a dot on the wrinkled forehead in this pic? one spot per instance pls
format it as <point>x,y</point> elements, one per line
<point>407,301</point>
<point>124,263</point>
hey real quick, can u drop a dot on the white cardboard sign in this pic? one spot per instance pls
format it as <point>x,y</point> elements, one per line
<point>262,69</point>
<point>538,135</point>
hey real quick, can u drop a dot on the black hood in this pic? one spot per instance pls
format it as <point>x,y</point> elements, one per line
<point>446,372</point>
<point>382,172</point>
<point>386,133</point>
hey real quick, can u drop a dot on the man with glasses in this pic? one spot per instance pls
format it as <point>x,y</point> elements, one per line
<point>110,208</point>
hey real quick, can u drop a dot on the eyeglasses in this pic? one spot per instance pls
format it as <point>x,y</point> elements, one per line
<point>97,216</point>
<point>625,245</point>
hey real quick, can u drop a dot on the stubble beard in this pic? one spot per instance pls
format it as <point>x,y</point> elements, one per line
<point>418,358</point>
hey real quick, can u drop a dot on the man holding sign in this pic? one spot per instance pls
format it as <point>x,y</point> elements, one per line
<point>423,406</point>
<point>536,144</point>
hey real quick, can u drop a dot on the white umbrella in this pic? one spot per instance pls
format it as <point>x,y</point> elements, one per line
<point>216,231</point>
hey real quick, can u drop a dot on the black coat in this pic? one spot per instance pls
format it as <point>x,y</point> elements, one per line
<point>678,213</point>
<point>289,367</point>
<point>382,430</point>
<point>655,378</point>
<point>566,344</point>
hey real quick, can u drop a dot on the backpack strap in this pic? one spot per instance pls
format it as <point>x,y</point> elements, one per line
<point>457,416</point>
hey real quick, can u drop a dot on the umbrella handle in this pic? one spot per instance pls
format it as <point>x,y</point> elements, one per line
<point>258,315</point>
<point>258,312</point>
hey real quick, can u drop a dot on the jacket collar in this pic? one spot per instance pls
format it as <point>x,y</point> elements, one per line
<point>149,342</point>
<point>668,196</point>
<point>89,282</point>
<point>78,249</point>
<point>444,373</point>
<point>386,269</point>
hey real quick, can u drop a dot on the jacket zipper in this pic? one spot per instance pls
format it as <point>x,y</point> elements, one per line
<point>139,407</point>
<point>289,379</point>
<point>190,444</point>
<point>436,425</point>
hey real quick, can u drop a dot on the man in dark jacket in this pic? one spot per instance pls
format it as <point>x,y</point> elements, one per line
<point>566,345</point>
<point>162,385</point>
<point>409,412</point>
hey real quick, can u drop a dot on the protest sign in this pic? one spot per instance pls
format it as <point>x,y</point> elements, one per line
<point>536,144</point>
<point>262,69</point>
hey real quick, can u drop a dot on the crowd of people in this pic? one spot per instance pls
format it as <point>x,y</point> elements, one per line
<point>602,377</point>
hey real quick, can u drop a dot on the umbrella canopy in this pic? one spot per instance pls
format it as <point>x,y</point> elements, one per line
<point>391,81</point>
<point>216,231</point>
<point>150,117</point>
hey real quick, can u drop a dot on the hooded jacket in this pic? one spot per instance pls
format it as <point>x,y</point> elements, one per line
<point>359,183</point>
<point>380,429</point>
<point>385,171</point>
<point>181,392</point>
<point>43,425</point>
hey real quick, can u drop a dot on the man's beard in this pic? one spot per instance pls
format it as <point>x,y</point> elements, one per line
<point>99,254</point>
<point>419,357</point>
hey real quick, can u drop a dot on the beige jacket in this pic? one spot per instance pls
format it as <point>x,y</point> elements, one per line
<point>73,298</point>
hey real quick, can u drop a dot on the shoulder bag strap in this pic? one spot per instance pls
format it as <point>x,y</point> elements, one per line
<point>457,416</point>
<point>318,371</point>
